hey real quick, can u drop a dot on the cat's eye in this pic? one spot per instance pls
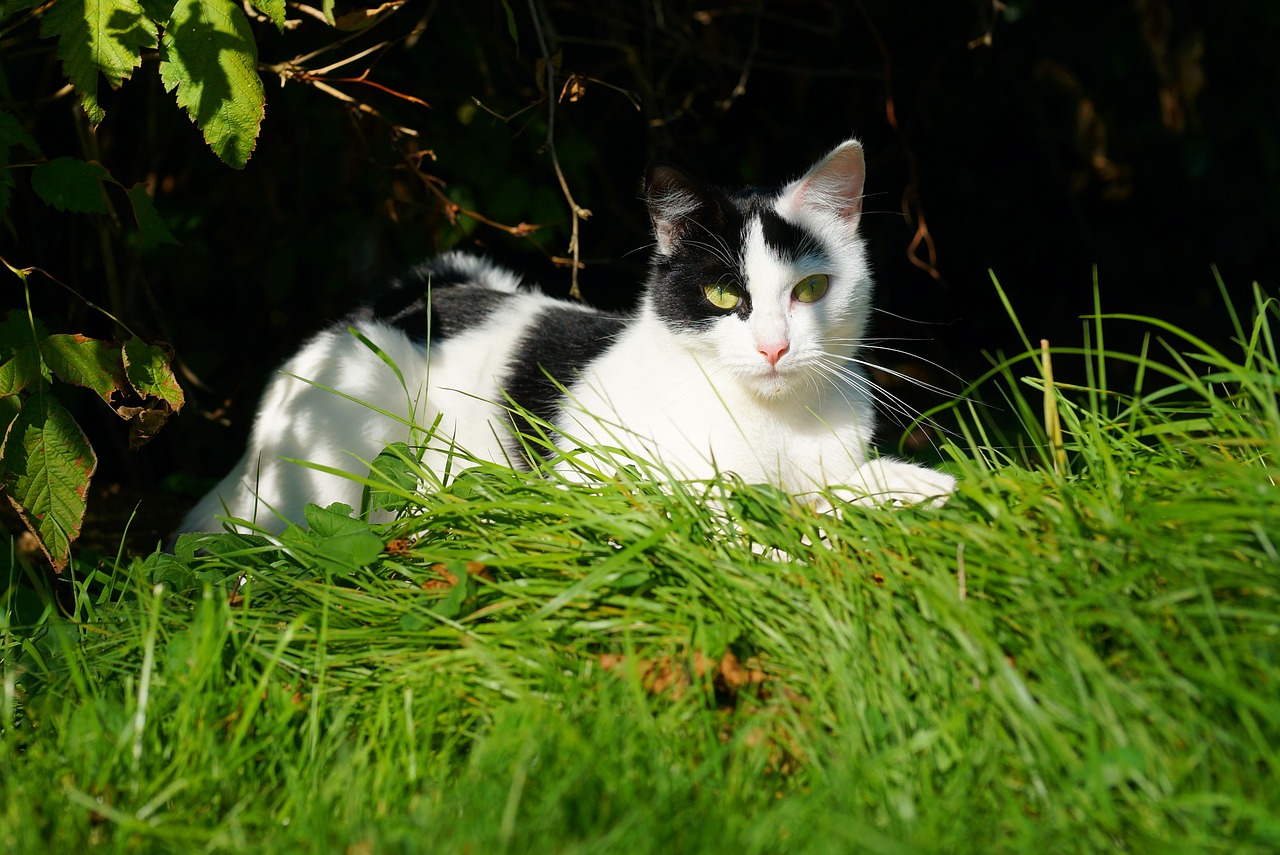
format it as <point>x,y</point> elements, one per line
<point>812,288</point>
<point>722,296</point>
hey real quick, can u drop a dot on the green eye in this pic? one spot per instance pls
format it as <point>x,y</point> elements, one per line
<point>722,296</point>
<point>813,288</point>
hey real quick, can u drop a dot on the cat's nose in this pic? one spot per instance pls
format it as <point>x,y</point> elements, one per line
<point>773,352</point>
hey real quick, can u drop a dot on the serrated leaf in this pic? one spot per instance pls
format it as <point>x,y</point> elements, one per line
<point>147,368</point>
<point>88,362</point>
<point>45,467</point>
<point>273,9</point>
<point>98,35</point>
<point>20,371</point>
<point>151,229</point>
<point>211,60</point>
<point>332,521</point>
<point>342,542</point>
<point>71,184</point>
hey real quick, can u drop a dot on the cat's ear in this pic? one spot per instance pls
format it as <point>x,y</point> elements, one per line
<point>833,187</point>
<point>673,198</point>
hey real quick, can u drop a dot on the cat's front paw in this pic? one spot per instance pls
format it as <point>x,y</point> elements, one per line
<point>883,481</point>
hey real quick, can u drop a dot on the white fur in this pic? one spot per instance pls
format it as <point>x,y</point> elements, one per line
<point>696,403</point>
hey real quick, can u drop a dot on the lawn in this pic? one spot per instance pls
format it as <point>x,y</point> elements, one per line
<point>1080,652</point>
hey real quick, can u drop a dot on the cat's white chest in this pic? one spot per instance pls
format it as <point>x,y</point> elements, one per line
<point>656,400</point>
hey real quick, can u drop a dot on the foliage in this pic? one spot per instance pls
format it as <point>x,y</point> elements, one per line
<point>1076,654</point>
<point>45,459</point>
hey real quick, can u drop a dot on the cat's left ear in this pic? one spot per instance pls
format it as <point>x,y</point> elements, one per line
<point>832,188</point>
<point>673,198</point>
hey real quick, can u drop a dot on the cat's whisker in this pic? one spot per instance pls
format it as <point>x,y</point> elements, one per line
<point>870,344</point>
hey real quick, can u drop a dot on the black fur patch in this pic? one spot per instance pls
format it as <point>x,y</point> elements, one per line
<point>709,251</point>
<point>559,343</point>
<point>457,303</point>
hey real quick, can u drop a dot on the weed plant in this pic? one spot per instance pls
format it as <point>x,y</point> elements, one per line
<point>1079,653</point>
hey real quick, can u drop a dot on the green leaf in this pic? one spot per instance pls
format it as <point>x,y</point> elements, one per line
<point>98,35</point>
<point>511,26</point>
<point>343,542</point>
<point>273,9</point>
<point>151,229</point>
<point>87,362</point>
<point>71,184</point>
<point>45,467</point>
<point>392,467</point>
<point>147,368</point>
<point>211,60</point>
<point>332,521</point>
<point>20,371</point>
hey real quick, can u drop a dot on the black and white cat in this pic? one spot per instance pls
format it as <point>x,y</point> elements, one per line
<point>742,357</point>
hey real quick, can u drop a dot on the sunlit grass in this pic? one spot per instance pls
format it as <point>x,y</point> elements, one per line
<point>1078,653</point>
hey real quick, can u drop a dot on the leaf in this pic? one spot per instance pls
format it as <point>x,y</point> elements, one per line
<point>332,521</point>
<point>511,26</point>
<point>392,467</point>
<point>71,184</point>
<point>151,229</point>
<point>98,35</point>
<point>20,371</point>
<point>147,368</point>
<point>45,467</point>
<point>273,9</point>
<point>211,60</point>
<point>343,543</point>
<point>87,362</point>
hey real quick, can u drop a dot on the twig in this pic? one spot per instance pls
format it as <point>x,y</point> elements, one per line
<point>452,209</point>
<point>961,578</point>
<point>578,213</point>
<point>986,39</point>
<point>23,272</point>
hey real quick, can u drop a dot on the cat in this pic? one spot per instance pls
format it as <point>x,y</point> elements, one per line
<point>742,357</point>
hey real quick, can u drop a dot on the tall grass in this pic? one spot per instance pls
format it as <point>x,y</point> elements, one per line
<point>1078,653</point>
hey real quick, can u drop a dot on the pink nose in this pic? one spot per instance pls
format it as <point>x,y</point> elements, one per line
<point>772,352</point>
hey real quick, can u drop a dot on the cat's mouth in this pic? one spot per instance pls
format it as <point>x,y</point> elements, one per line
<point>777,380</point>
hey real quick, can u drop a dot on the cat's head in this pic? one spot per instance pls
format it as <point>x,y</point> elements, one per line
<point>771,288</point>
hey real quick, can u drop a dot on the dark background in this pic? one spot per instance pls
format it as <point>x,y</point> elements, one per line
<point>1036,139</point>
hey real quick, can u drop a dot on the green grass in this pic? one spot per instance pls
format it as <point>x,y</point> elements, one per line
<point>1079,653</point>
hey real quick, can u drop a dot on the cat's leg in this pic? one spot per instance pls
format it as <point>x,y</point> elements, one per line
<point>885,480</point>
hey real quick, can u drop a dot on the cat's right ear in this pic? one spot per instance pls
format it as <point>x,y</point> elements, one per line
<point>673,197</point>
